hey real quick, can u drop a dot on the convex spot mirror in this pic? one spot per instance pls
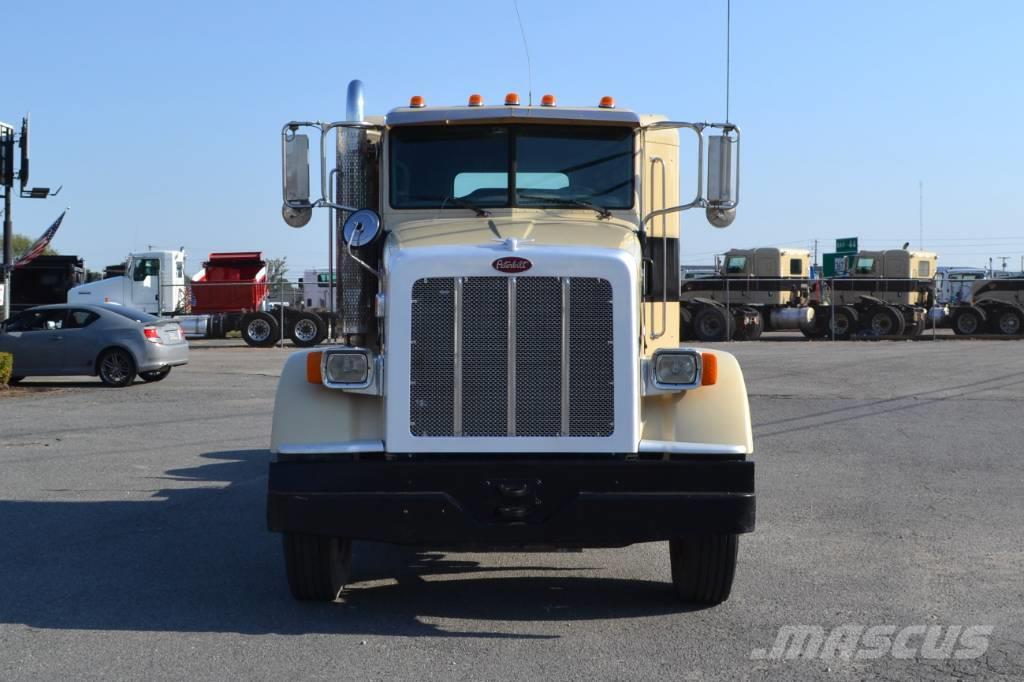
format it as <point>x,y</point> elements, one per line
<point>361,228</point>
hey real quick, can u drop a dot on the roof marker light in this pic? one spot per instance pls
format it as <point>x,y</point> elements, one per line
<point>547,101</point>
<point>476,100</point>
<point>416,102</point>
<point>512,99</point>
<point>607,102</point>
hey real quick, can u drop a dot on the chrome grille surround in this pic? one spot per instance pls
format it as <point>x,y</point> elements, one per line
<point>523,356</point>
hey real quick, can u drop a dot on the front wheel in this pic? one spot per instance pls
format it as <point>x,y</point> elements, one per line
<point>713,324</point>
<point>155,375</point>
<point>317,566</point>
<point>703,567</point>
<point>967,322</point>
<point>116,368</point>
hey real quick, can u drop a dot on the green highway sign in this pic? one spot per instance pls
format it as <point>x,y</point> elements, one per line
<point>847,245</point>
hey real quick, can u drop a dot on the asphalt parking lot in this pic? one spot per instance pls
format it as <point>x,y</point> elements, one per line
<point>890,486</point>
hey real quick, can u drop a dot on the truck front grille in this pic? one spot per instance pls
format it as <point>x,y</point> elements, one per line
<point>512,357</point>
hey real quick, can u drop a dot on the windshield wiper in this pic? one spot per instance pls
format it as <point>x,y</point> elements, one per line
<point>462,203</point>
<point>601,210</point>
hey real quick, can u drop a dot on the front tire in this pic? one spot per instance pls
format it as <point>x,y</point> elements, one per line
<point>116,368</point>
<point>703,567</point>
<point>713,324</point>
<point>967,322</point>
<point>317,566</point>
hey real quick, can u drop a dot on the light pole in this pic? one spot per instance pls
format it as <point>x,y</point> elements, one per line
<point>7,176</point>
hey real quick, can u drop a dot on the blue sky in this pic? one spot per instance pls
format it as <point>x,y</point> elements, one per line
<point>161,120</point>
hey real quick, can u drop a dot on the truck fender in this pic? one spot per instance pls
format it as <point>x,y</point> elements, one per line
<point>718,414</point>
<point>707,302</point>
<point>310,416</point>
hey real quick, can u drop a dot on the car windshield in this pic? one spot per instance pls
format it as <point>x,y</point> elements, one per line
<point>489,166</point>
<point>132,313</point>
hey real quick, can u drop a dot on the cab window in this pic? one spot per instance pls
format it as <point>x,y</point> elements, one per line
<point>924,269</point>
<point>865,266</point>
<point>145,267</point>
<point>736,265</point>
<point>796,266</point>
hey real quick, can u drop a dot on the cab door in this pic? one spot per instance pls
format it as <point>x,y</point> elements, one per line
<point>145,284</point>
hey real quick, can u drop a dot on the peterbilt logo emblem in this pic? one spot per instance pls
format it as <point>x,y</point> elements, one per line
<point>512,265</point>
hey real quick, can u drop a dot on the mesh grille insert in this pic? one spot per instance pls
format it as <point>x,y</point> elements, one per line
<point>530,386</point>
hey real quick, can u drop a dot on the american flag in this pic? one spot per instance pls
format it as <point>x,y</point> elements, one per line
<point>41,243</point>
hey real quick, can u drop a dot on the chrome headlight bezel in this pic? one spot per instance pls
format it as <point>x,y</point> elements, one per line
<point>348,385</point>
<point>652,369</point>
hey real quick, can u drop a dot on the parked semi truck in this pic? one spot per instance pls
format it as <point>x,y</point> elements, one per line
<point>512,375</point>
<point>229,293</point>
<point>886,293</point>
<point>993,306</point>
<point>45,280</point>
<point>756,290</point>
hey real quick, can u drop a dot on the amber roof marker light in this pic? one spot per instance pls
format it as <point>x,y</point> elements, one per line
<point>476,100</point>
<point>416,102</point>
<point>607,102</point>
<point>512,99</point>
<point>548,101</point>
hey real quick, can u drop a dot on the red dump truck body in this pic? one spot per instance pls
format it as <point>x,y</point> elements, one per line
<point>230,283</point>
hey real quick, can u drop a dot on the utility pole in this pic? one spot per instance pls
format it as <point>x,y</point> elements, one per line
<point>7,176</point>
<point>7,180</point>
<point>920,215</point>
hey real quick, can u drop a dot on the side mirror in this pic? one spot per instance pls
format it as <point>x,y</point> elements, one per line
<point>723,168</point>
<point>361,228</point>
<point>296,210</point>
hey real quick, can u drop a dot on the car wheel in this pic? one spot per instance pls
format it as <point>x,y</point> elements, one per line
<point>155,375</point>
<point>317,566</point>
<point>260,329</point>
<point>116,368</point>
<point>307,330</point>
<point>703,567</point>
<point>713,324</point>
<point>967,322</point>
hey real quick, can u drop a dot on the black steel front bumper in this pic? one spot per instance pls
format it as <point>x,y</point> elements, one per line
<point>511,501</point>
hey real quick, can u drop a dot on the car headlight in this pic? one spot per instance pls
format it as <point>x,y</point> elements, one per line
<point>346,368</point>
<point>676,368</point>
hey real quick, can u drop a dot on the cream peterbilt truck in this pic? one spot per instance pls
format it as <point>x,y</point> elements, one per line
<point>509,373</point>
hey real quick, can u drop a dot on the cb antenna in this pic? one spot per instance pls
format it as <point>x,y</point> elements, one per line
<point>526,48</point>
<point>728,40</point>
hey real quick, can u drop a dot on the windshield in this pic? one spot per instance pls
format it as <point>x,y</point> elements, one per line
<point>736,265</point>
<point>487,166</point>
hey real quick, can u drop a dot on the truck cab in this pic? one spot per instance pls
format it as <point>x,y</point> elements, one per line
<point>508,372</point>
<point>154,282</point>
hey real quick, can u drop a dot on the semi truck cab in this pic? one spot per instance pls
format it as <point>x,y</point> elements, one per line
<point>508,372</point>
<point>154,282</point>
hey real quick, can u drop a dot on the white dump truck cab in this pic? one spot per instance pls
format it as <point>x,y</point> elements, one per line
<point>508,372</point>
<point>153,282</point>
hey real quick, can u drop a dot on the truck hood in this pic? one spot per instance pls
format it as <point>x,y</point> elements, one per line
<point>561,231</point>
